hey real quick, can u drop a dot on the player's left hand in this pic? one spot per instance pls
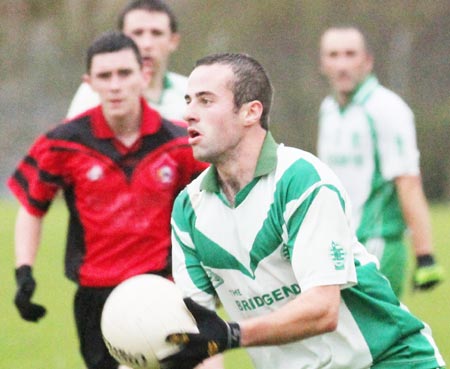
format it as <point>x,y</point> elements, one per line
<point>215,336</point>
<point>427,274</point>
<point>25,288</point>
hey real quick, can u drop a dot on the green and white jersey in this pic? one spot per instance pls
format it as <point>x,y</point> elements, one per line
<point>368,143</point>
<point>171,104</point>
<point>288,232</point>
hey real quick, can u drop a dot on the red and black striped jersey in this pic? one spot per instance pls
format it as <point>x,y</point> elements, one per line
<point>119,199</point>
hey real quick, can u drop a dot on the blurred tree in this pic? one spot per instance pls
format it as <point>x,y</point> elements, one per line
<point>42,44</point>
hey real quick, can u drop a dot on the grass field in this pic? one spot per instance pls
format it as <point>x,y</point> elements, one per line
<point>52,343</point>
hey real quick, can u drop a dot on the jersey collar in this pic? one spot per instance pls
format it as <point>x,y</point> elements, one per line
<point>151,121</point>
<point>365,89</point>
<point>167,85</point>
<point>267,162</point>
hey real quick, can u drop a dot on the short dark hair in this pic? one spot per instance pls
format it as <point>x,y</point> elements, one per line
<point>109,42</point>
<point>151,6</point>
<point>251,81</point>
<point>350,27</point>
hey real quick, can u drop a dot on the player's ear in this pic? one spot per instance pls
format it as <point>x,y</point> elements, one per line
<point>369,62</point>
<point>86,78</point>
<point>252,112</point>
<point>174,42</point>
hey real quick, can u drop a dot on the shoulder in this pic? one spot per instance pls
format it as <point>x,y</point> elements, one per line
<point>174,128</point>
<point>176,78</point>
<point>85,90</point>
<point>190,197</point>
<point>302,169</point>
<point>73,128</point>
<point>328,105</point>
<point>328,102</point>
<point>60,136</point>
<point>177,81</point>
<point>84,99</point>
<point>384,100</point>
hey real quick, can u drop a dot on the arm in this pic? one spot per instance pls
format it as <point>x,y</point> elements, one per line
<point>27,237</point>
<point>313,312</point>
<point>417,217</point>
<point>415,212</point>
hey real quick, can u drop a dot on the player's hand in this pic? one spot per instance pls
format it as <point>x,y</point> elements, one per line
<point>25,289</point>
<point>427,274</point>
<point>215,335</point>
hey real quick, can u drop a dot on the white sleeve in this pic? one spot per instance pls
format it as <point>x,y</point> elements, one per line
<point>396,138</point>
<point>85,98</point>
<point>187,271</point>
<point>322,253</point>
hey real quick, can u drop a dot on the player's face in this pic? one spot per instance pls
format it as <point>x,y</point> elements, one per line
<point>344,59</point>
<point>152,34</point>
<point>118,79</point>
<point>214,124</point>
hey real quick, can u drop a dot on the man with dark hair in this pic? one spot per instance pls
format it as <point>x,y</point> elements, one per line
<point>153,26</point>
<point>120,166</point>
<point>367,136</point>
<point>268,229</point>
<point>250,81</point>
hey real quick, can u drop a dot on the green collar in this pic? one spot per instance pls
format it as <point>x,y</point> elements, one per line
<point>167,83</point>
<point>362,92</point>
<point>267,162</point>
<point>365,89</point>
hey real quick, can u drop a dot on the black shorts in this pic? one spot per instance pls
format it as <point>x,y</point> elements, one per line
<point>88,306</point>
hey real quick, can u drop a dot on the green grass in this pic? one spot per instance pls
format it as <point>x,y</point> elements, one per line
<point>52,343</point>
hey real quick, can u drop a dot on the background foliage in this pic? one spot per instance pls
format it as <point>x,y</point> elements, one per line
<point>42,46</point>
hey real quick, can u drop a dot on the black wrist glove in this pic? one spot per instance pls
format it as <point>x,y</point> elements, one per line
<point>215,336</point>
<point>25,289</point>
<point>427,274</point>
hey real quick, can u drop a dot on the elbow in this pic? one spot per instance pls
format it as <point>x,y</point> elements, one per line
<point>329,320</point>
<point>331,324</point>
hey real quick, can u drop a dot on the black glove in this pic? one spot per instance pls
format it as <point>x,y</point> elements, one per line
<point>427,274</point>
<point>25,288</point>
<point>215,335</point>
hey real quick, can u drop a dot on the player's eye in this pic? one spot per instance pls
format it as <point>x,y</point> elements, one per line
<point>103,76</point>
<point>205,101</point>
<point>157,32</point>
<point>333,54</point>
<point>137,32</point>
<point>125,72</point>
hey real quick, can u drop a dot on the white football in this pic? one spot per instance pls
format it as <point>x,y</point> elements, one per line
<point>137,317</point>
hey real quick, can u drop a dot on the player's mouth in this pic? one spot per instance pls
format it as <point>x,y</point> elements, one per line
<point>194,136</point>
<point>115,102</point>
<point>147,61</point>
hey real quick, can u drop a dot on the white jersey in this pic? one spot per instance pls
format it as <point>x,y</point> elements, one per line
<point>171,104</point>
<point>368,143</point>
<point>288,232</point>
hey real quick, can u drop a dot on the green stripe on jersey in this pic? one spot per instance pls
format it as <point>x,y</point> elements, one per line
<point>381,215</point>
<point>288,190</point>
<point>384,322</point>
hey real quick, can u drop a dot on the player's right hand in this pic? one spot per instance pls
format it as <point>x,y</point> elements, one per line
<point>25,289</point>
<point>215,336</point>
